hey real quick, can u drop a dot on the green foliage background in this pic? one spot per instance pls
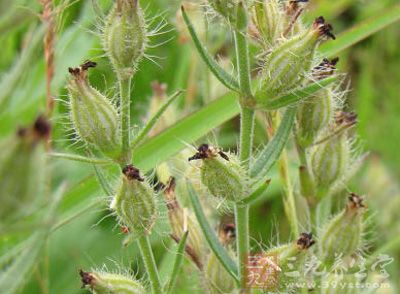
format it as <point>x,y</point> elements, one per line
<point>93,239</point>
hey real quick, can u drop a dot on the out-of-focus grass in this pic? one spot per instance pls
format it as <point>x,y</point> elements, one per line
<point>94,239</point>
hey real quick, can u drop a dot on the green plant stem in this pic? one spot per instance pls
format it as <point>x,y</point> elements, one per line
<point>245,152</point>
<point>243,64</point>
<point>125,115</point>
<point>150,264</point>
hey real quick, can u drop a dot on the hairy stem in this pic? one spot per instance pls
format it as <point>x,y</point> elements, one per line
<point>125,115</point>
<point>245,151</point>
<point>150,264</point>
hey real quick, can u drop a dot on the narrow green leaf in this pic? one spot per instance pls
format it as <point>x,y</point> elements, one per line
<point>225,78</point>
<point>298,94</point>
<point>210,235</point>
<point>270,154</point>
<point>361,31</point>
<point>170,287</point>
<point>151,123</point>
<point>257,193</point>
<point>16,275</point>
<point>79,158</point>
<point>9,82</point>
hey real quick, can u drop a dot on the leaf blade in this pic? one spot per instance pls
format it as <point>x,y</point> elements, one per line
<point>361,31</point>
<point>210,236</point>
<point>225,78</point>
<point>270,154</point>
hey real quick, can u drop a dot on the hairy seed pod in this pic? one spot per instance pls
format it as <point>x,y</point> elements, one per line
<point>219,280</point>
<point>22,170</point>
<point>226,8</point>
<point>339,284</point>
<point>316,112</point>
<point>342,235</point>
<point>287,259</point>
<point>94,117</point>
<point>125,37</point>
<point>286,67</point>
<point>105,283</point>
<point>182,221</point>
<point>314,115</point>
<point>135,204</point>
<point>330,159</point>
<point>268,19</point>
<point>222,175</point>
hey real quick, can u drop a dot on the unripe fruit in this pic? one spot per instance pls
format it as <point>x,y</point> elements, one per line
<point>287,65</point>
<point>330,159</point>
<point>222,175</point>
<point>22,168</point>
<point>342,236</point>
<point>125,37</point>
<point>182,221</point>
<point>135,204</point>
<point>289,259</point>
<point>93,116</point>
<point>316,112</point>
<point>268,18</point>
<point>106,283</point>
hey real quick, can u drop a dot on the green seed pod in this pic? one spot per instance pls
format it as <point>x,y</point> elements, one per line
<point>218,279</point>
<point>342,235</point>
<point>106,283</point>
<point>22,170</point>
<point>182,221</point>
<point>339,284</point>
<point>268,19</point>
<point>222,175</point>
<point>94,117</point>
<point>135,204</point>
<point>125,37</point>
<point>226,8</point>
<point>286,67</point>
<point>330,159</point>
<point>286,261</point>
<point>316,112</point>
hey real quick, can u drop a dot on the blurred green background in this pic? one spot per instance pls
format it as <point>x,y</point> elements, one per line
<point>94,239</point>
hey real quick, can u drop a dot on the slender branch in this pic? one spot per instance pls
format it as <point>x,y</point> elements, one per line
<point>150,264</point>
<point>243,64</point>
<point>125,115</point>
<point>246,141</point>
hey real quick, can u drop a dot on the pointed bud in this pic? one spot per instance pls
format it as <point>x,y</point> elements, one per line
<point>268,19</point>
<point>125,37</point>
<point>93,116</point>
<point>287,259</point>
<point>135,204</point>
<point>316,112</point>
<point>286,67</point>
<point>342,236</point>
<point>221,174</point>
<point>331,159</point>
<point>22,169</point>
<point>181,221</point>
<point>104,283</point>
